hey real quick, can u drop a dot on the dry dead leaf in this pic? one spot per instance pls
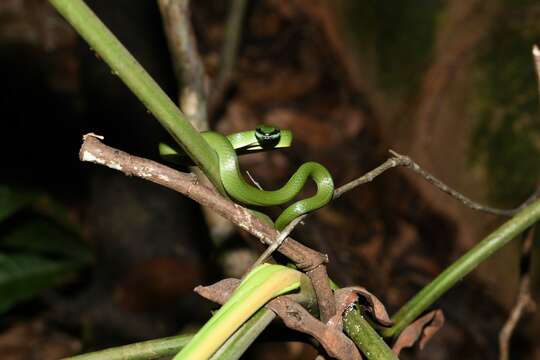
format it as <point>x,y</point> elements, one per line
<point>332,339</point>
<point>345,297</point>
<point>218,292</point>
<point>420,331</point>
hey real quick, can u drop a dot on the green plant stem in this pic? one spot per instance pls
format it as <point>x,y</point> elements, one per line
<point>239,342</point>
<point>123,64</point>
<point>463,266</point>
<point>365,337</point>
<point>153,349</point>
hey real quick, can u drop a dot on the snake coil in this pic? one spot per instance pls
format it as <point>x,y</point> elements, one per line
<point>265,138</point>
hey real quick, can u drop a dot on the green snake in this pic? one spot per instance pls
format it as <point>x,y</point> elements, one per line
<point>263,138</point>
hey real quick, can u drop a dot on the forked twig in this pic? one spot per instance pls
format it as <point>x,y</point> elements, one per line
<point>403,160</point>
<point>279,241</point>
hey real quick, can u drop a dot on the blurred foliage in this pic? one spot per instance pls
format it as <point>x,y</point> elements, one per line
<point>396,36</point>
<point>506,138</point>
<point>39,236</point>
<point>12,201</point>
<point>24,275</point>
<point>37,249</point>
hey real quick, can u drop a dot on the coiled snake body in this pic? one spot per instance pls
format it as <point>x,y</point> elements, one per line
<point>265,138</point>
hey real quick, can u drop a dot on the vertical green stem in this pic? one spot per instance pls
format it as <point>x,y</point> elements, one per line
<point>464,265</point>
<point>152,349</point>
<point>365,337</point>
<point>123,64</point>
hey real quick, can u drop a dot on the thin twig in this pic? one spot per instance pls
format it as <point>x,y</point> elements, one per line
<point>408,162</point>
<point>255,182</point>
<point>524,301</point>
<point>369,176</point>
<point>403,160</point>
<point>279,241</point>
<point>536,58</point>
<point>187,63</point>
<point>229,53</point>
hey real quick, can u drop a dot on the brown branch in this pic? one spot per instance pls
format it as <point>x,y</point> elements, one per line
<point>187,63</point>
<point>93,150</point>
<point>325,296</point>
<point>369,176</point>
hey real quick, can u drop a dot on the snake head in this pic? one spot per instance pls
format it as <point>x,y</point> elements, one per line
<point>267,135</point>
<point>263,138</point>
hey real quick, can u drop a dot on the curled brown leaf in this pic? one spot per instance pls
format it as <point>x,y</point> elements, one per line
<point>218,292</point>
<point>345,297</point>
<point>420,331</point>
<point>295,317</point>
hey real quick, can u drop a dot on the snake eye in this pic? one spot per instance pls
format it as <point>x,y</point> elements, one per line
<point>267,135</point>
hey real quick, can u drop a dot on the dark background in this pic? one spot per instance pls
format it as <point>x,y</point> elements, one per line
<point>450,83</point>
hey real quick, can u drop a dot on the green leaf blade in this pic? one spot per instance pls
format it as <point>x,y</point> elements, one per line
<point>23,276</point>
<point>12,200</point>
